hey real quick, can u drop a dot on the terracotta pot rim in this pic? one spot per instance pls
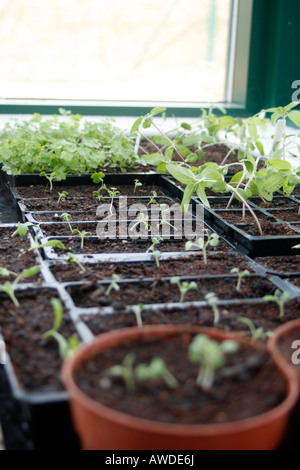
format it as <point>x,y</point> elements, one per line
<point>172,428</point>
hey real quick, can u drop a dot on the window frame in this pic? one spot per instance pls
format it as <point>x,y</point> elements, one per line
<point>261,47</point>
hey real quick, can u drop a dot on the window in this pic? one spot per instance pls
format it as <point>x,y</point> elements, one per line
<point>122,57</point>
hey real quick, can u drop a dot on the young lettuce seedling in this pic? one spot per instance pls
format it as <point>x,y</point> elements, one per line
<point>54,243</point>
<point>61,196</point>
<point>240,275</point>
<point>137,184</point>
<point>202,244</point>
<point>280,298</point>
<point>211,356</point>
<point>183,286</point>
<point>67,217</point>
<point>73,259</point>
<point>153,200</point>
<point>213,300</point>
<point>125,371</point>
<point>156,253</point>
<point>66,346</point>
<point>112,194</point>
<point>50,178</point>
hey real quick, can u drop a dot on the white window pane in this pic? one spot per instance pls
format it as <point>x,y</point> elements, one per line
<point>149,50</point>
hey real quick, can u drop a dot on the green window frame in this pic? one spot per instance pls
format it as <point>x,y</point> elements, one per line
<point>263,68</point>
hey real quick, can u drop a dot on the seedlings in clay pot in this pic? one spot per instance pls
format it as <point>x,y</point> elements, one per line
<point>256,333</point>
<point>213,300</point>
<point>211,356</point>
<point>280,298</point>
<point>66,346</point>
<point>202,243</point>
<point>183,286</point>
<point>240,275</point>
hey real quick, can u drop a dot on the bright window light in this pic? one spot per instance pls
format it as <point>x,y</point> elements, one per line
<point>131,50</point>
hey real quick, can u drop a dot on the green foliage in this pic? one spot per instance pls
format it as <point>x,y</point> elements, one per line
<point>203,243</point>
<point>240,275</point>
<point>10,287</point>
<point>183,286</point>
<point>256,333</point>
<point>212,300</point>
<point>280,298</point>
<point>64,145</point>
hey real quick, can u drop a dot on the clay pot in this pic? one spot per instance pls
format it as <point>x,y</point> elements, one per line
<point>100,427</point>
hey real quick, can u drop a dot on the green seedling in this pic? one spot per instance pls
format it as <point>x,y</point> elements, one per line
<point>240,274</point>
<point>137,184</point>
<point>82,234</point>
<point>153,200</point>
<point>66,346</point>
<point>281,298</point>
<point>113,192</point>
<point>61,196</point>
<point>213,300</point>
<point>9,287</point>
<point>157,369</point>
<point>67,217</point>
<point>22,229</point>
<point>184,286</point>
<point>73,259</point>
<point>211,356</point>
<point>113,285</point>
<point>50,178</point>
<point>54,243</point>
<point>144,220</point>
<point>203,244</point>
<point>137,311</point>
<point>256,333</point>
<point>165,212</point>
<point>156,253</point>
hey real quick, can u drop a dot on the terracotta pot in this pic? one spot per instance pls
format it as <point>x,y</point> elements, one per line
<point>100,427</point>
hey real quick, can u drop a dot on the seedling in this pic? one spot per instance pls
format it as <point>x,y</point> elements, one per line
<point>112,194</point>
<point>211,356</point>
<point>137,310</point>
<point>153,200</point>
<point>66,346</point>
<point>137,184</point>
<point>54,243</point>
<point>142,219</point>
<point>9,287</point>
<point>156,253</point>
<point>256,333</point>
<point>183,286</point>
<point>22,229</point>
<point>213,300</point>
<point>82,234</point>
<point>165,212</point>
<point>61,196</point>
<point>240,275</point>
<point>113,285</point>
<point>52,177</point>
<point>157,369</point>
<point>203,243</point>
<point>67,217</point>
<point>73,259</point>
<point>280,298</point>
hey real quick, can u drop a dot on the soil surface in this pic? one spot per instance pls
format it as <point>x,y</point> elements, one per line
<point>239,389</point>
<point>281,265</point>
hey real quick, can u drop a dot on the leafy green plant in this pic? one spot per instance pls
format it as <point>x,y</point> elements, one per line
<point>183,286</point>
<point>202,243</point>
<point>212,300</point>
<point>256,333</point>
<point>280,298</point>
<point>10,287</point>
<point>240,275</point>
<point>66,346</point>
<point>211,356</point>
